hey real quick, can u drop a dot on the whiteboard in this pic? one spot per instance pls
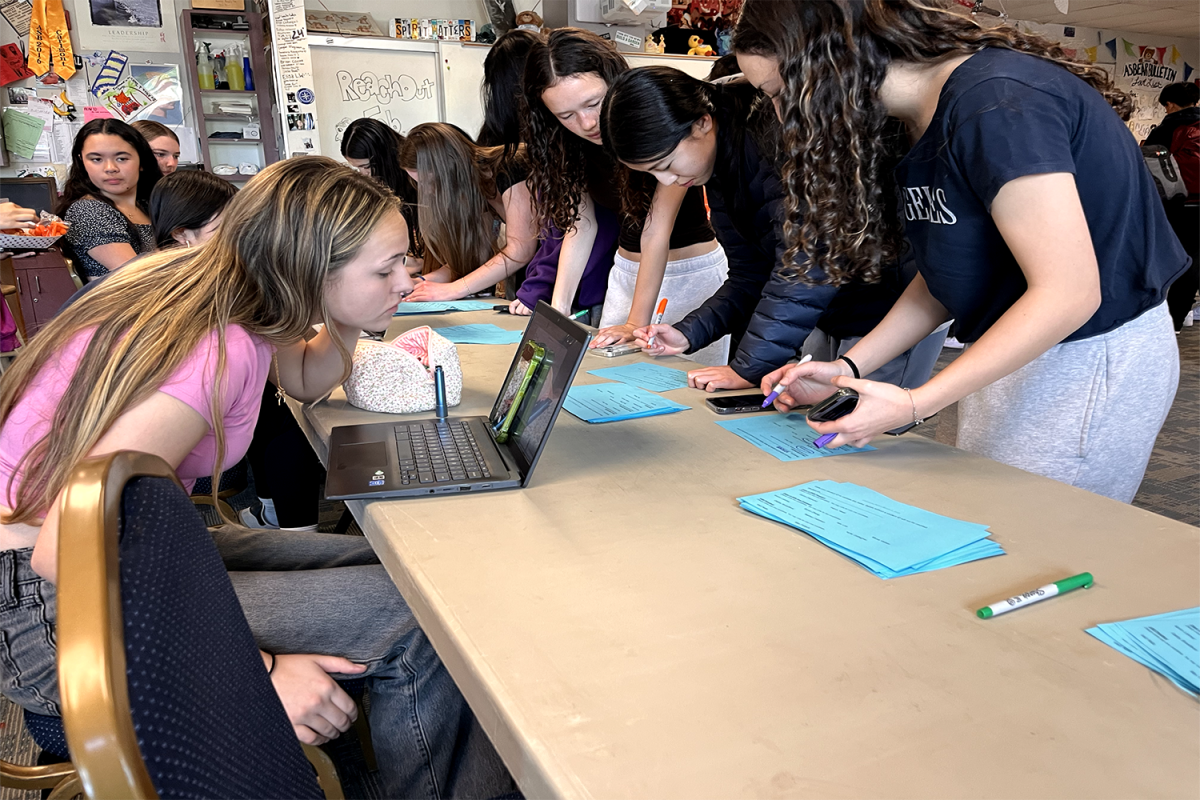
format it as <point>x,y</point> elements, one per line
<point>462,77</point>
<point>392,80</point>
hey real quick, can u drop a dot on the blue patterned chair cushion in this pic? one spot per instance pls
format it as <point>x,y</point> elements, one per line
<point>208,720</point>
<point>47,733</point>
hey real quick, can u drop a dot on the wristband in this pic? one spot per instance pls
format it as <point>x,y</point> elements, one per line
<point>271,668</point>
<point>853,367</point>
<point>914,408</point>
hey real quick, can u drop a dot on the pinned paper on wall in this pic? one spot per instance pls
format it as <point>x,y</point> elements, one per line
<point>22,132</point>
<point>95,112</point>
<point>189,147</point>
<point>110,72</point>
<point>12,65</point>
<point>127,99</point>
<point>162,82</point>
<point>62,138</point>
<point>19,13</point>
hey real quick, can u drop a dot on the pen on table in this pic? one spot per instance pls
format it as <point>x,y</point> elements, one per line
<point>779,387</point>
<point>658,315</point>
<point>439,392</point>
<point>1083,579</point>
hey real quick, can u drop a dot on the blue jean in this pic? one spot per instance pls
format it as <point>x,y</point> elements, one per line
<point>910,369</point>
<point>306,593</point>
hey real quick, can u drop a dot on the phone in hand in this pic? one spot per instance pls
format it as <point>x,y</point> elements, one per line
<point>738,404</point>
<point>836,406</point>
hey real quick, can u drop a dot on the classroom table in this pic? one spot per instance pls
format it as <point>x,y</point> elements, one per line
<point>623,630</point>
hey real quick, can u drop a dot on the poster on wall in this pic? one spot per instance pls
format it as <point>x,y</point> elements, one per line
<point>162,82</point>
<point>139,25</point>
<point>396,86</point>
<point>1143,71</point>
<point>294,72</point>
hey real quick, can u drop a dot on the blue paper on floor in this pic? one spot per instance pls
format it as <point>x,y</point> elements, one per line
<point>889,538</point>
<point>652,377</point>
<point>613,402</point>
<point>441,306</point>
<point>1166,643</point>
<point>480,333</point>
<point>785,436</point>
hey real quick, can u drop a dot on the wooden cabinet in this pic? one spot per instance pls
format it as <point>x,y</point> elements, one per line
<point>44,282</point>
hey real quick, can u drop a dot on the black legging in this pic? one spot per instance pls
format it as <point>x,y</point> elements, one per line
<point>285,467</point>
<point>1185,221</point>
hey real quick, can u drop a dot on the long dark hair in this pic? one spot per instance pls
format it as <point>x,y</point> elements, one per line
<point>457,179</point>
<point>503,70</point>
<point>558,175</point>
<point>649,111</point>
<point>838,147</point>
<point>79,185</point>
<point>380,145</point>
<point>188,200</point>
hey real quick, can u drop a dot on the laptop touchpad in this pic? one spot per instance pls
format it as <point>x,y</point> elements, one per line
<point>365,456</point>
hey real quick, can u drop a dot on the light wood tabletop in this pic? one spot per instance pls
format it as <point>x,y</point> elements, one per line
<point>623,629</point>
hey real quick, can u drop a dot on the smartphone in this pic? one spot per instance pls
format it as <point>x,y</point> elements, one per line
<point>518,383</point>
<point>836,406</point>
<point>738,404</point>
<point>614,350</point>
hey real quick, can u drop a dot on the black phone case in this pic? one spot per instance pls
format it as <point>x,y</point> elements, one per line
<point>836,406</point>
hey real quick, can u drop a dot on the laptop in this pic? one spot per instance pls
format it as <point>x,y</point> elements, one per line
<point>467,454</point>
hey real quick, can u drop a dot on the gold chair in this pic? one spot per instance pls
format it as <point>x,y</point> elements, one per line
<point>97,716</point>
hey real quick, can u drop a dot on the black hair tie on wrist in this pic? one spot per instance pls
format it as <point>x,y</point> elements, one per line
<point>853,366</point>
<point>272,667</point>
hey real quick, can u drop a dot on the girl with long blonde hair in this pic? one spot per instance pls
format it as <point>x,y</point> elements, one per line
<point>464,193</point>
<point>169,355</point>
<point>1034,221</point>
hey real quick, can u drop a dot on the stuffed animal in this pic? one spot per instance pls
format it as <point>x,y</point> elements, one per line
<point>652,47</point>
<point>698,48</point>
<point>529,21</point>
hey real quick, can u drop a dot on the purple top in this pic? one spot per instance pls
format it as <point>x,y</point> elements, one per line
<point>593,284</point>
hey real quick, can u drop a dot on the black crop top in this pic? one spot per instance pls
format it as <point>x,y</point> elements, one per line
<point>691,223</point>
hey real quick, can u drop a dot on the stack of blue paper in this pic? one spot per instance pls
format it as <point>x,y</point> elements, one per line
<point>785,436</point>
<point>480,333</point>
<point>614,402</point>
<point>440,306</point>
<point>652,377</point>
<point>888,538</point>
<point>1166,643</point>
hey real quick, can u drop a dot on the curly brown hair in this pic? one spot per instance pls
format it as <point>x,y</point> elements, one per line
<point>558,173</point>
<point>838,145</point>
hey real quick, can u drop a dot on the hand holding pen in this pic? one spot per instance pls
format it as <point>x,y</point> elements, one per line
<point>658,318</point>
<point>803,384</point>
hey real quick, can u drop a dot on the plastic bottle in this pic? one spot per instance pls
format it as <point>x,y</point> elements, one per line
<point>247,73</point>
<point>237,81</point>
<point>204,68</point>
<point>219,68</point>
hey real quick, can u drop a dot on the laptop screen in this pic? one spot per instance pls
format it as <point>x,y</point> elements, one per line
<point>536,384</point>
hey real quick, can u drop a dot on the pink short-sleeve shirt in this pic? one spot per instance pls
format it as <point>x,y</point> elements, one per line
<point>247,362</point>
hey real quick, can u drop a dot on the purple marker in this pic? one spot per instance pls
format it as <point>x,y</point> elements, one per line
<point>824,439</point>
<point>779,387</point>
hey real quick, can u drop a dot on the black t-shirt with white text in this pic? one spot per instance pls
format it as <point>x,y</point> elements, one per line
<point>1003,115</point>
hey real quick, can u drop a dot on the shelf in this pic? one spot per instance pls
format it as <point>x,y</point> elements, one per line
<point>231,116</point>
<point>228,91</point>
<point>211,142</point>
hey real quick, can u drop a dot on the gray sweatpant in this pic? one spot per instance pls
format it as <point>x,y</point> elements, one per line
<point>1084,413</point>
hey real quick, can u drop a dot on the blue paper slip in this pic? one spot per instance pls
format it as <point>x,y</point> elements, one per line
<point>651,377</point>
<point>439,306</point>
<point>481,333</point>
<point>613,402</point>
<point>890,539</point>
<point>785,436</point>
<point>1166,643</point>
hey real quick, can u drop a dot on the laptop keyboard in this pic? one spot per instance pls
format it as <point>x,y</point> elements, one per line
<point>431,452</point>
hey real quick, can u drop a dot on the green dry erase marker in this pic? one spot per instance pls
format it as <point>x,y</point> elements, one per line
<point>1083,579</point>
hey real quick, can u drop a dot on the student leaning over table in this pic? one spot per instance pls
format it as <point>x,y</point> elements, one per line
<point>465,192</point>
<point>666,249</point>
<point>306,241</point>
<point>1035,223</point>
<point>723,137</point>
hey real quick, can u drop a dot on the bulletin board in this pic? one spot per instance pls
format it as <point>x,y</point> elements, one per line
<point>395,81</point>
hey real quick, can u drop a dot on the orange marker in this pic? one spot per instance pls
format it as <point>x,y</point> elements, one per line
<point>658,315</point>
